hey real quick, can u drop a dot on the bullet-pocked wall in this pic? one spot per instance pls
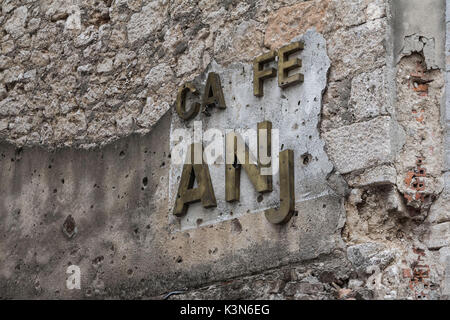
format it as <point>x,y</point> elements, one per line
<point>88,123</point>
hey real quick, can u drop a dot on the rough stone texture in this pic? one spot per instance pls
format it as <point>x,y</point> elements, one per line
<point>363,256</point>
<point>102,54</point>
<point>103,76</point>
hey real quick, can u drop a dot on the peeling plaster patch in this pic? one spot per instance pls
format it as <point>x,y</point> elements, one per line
<point>294,111</point>
<point>416,43</point>
<point>413,33</point>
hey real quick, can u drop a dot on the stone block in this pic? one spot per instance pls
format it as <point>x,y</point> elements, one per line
<point>440,210</point>
<point>382,175</point>
<point>439,236</point>
<point>447,100</point>
<point>360,145</point>
<point>368,95</point>
<point>447,147</point>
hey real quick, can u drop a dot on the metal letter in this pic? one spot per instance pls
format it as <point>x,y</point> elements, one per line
<point>287,190</point>
<point>260,74</point>
<point>181,102</point>
<point>204,192</point>
<point>213,95</point>
<point>262,183</point>
<point>285,65</point>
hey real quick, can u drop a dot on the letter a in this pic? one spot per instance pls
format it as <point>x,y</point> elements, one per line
<point>194,169</point>
<point>213,95</point>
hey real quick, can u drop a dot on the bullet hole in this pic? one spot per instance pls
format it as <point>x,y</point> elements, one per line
<point>236,226</point>
<point>148,226</point>
<point>306,158</point>
<point>213,251</point>
<point>130,272</point>
<point>49,166</point>
<point>136,231</point>
<point>144,183</point>
<point>124,257</point>
<point>199,222</point>
<point>122,154</point>
<point>55,190</point>
<point>179,259</point>
<point>62,181</point>
<point>98,260</point>
<point>260,198</point>
<point>163,164</point>
<point>282,146</point>
<point>69,227</point>
<point>296,213</point>
<point>298,103</point>
<point>324,206</point>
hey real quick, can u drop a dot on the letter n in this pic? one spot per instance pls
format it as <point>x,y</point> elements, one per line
<point>236,158</point>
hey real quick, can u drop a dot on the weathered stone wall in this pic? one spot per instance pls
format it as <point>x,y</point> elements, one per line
<point>87,90</point>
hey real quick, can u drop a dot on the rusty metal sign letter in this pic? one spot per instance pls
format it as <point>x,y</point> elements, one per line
<point>287,190</point>
<point>285,65</point>
<point>213,95</point>
<point>260,74</point>
<point>236,159</point>
<point>181,102</point>
<point>194,169</point>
